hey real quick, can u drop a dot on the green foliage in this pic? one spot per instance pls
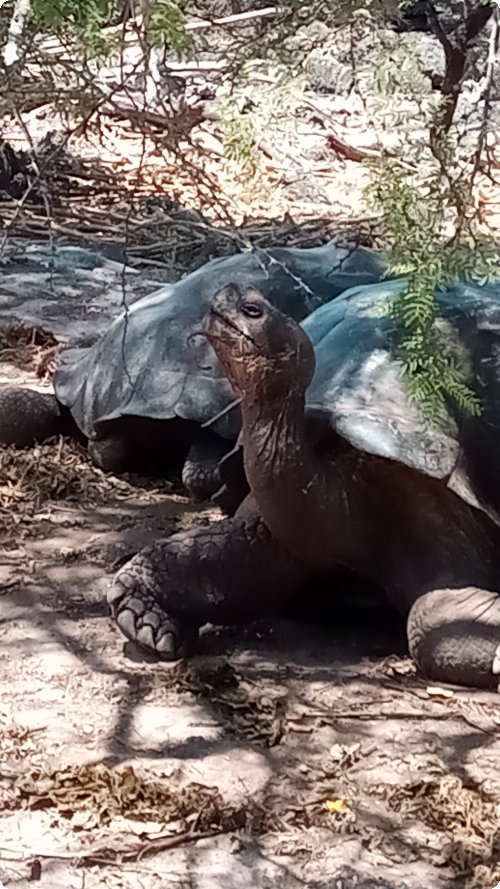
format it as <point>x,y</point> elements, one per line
<point>164,22</point>
<point>418,220</point>
<point>167,27</point>
<point>433,370</point>
<point>398,71</point>
<point>84,20</point>
<point>238,138</point>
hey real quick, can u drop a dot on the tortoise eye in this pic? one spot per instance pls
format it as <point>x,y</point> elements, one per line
<point>252,310</point>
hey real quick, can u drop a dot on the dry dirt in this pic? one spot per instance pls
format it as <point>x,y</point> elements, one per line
<point>291,754</point>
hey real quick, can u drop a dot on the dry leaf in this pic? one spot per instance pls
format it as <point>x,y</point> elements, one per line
<point>335,806</point>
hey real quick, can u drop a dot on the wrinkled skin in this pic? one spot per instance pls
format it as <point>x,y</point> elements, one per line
<point>317,502</point>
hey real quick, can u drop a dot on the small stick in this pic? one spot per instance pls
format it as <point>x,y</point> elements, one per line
<point>102,854</point>
<point>233,19</point>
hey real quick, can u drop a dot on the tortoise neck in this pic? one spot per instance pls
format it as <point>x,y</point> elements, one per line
<point>279,462</point>
<point>274,433</point>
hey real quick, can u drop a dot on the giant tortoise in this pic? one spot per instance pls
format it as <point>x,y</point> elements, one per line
<point>343,471</point>
<point>140,395</point>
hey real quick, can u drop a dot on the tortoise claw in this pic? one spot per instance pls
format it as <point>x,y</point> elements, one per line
<point>144,622</point>
<point>496,663</point>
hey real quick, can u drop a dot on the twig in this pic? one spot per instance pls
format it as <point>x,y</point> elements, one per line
<point>345,150</point>
<point>348,151</point>
<point>233,19</point>
<point>366,714</point>
<point>102,854</point>
<point>126,245</point>
<point>36,167</point>
<point>486,94</point>
<point>221,413</point>
<point>139,115</point>
<point>52,156</point>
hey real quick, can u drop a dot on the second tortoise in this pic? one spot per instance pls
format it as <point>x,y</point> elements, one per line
<point>141,395</point>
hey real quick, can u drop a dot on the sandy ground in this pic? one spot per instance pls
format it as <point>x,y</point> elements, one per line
<point>289,754</point>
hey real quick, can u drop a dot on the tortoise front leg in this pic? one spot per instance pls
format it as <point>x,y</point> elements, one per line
<point>231,572</point>
<point>454,636</point>
<point>28,416</point>
<point>200,473</point>
<point>111,454</point>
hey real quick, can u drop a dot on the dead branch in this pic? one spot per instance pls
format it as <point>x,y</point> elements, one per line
<point>456,47</point>
<point>104,853</point>
<point>345,150</point>
<point>233,19</point>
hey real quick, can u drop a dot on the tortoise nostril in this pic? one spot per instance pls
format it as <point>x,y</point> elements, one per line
<point>231,293</point>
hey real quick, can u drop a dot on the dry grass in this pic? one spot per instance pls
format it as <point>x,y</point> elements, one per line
<point>467,819</point>
<point>30,349</point>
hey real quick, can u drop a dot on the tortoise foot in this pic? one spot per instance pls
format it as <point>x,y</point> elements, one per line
<point>454,636</point>
<point>231,572</point>
<point>142,620</point>
<point>200,473</point>
<point>110,454</point>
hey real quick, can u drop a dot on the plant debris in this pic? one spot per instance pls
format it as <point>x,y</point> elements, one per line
<point>237,702</point>
<point>30,348</point>
<point>57,471</point>
<point>16,742</point>
<point>105,191</point>
<point>101,794</point>
<point>469,821</point>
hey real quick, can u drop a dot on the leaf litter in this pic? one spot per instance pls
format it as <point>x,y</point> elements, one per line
<point>59,472</point>
<point>468,820</point>
<point>102,794</point>
<point>30,348</point>
<point>237,701</point>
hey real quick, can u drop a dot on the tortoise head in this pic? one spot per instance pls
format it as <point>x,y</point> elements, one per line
<point>263,352</point>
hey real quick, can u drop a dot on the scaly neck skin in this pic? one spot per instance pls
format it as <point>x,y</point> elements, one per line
<point>282,469</point>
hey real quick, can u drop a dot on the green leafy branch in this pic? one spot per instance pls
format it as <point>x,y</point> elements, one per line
<point>164,23</point>
<point>166,26</point>
<point>238,138</point>
<point>83,20</point>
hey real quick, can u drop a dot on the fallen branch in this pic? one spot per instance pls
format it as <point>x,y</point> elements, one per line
<point>331,718</point>
<point>188,116</point>
<point>103,854</point>
<point>233,19</point>
<point>345,150</point>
